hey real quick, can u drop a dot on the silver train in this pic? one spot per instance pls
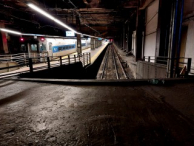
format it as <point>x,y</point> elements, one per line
<point>53,46</point>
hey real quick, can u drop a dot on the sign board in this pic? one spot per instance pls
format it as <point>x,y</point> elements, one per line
<point>70,33</point>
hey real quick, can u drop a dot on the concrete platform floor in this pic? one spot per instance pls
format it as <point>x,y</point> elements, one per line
<point>48,114</point>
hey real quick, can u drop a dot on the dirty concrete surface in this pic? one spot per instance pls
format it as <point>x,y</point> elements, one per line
<point>112,67</point>
<point>128,60</point>
<point>47,114</point>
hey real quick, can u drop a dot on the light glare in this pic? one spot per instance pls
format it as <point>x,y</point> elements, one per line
<point>50,17</point>
<point>41,11</point>
<point>10,31</point>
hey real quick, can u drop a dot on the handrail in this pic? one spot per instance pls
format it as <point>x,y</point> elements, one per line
<point>164,60</point>
<point>167,57</point>
<point>85,59</point>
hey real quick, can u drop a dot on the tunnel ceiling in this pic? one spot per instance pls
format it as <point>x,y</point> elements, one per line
<point>96,17</point>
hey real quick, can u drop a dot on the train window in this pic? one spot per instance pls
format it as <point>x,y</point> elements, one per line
<point>42,47</point>
<point>34,47</point>
<point>23,48</point>
<point>60,48</point>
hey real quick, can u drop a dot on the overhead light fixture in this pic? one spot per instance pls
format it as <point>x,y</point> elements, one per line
<point>39,10</point>
<point>10,31</point>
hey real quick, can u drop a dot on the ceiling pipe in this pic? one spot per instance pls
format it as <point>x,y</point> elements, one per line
<point>80,16</point>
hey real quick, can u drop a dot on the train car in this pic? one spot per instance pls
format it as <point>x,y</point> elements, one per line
<point>53,46</point>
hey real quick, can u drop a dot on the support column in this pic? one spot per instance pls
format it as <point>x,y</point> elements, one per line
<point>3,41</point>
<point>139,29</point>
<point>95,43</point>
<point>92,44</point>
<point>175,37</point>
<point>123,44</point>
<point>79,46</point>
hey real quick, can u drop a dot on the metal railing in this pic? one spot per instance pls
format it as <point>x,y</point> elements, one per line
<point>53,61</point>
<point>178,64</point>
<point>22,58</point>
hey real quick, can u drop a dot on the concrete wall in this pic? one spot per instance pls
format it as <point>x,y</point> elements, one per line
<point>189,34</point>
<point>71,71</point>
<point>132,65</point>
<point>151,28</point>
<point>148,70</point>
<point>190,42</point>
<point>150,45</point>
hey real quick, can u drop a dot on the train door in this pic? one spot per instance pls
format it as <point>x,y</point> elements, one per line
<point>33,48</point>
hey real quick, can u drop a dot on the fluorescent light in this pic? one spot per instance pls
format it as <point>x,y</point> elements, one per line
<point>87,35</point>
<point>10,31</point>
<point>51,17</point>
<point>41,11</point>
<point>30,34</point>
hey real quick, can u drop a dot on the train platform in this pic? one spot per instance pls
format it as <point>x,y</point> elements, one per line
<point>55,114</point>
<point>93,53</point>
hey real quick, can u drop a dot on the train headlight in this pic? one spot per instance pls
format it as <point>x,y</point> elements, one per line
<point>21,39</point>
<point>42,39</point>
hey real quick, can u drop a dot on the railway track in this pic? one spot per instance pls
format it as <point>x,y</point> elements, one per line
<point>111,67</point>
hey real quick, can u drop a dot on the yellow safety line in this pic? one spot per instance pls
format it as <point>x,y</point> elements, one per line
<point>98,53</point>
<point>74,53</point>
